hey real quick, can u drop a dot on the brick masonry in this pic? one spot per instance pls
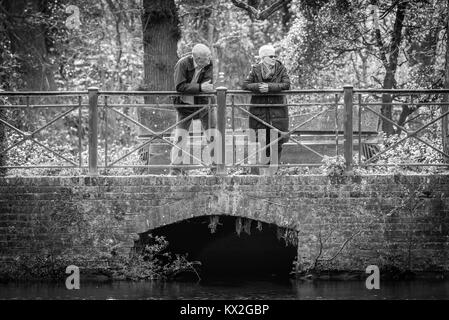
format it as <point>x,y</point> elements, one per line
<point>342,224</point>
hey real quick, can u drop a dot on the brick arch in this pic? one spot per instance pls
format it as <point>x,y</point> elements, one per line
<point>255,218</point>
<point>225,204</point>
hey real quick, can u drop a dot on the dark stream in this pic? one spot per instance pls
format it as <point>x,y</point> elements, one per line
<point>231,289</point>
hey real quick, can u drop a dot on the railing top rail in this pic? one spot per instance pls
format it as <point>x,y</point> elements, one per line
<point>302,91</point>
<point>234,92</point>
<point>101,92</point>
<point>152,93</point>
<point>404,91</point>
<point>42,93</point>
<point>242,92</point>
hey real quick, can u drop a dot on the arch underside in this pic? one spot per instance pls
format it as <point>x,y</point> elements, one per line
<point>229,245</point>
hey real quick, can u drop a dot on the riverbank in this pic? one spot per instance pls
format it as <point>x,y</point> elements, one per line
<point>57,274</point>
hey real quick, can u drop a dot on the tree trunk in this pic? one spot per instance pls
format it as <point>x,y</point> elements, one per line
<point>386,109</point>
<point>160,39</point>
<point>161,32</point>
<point>391,66</point>
<point>28,42</point>
<point>445,108</point>
<point>286,17</point>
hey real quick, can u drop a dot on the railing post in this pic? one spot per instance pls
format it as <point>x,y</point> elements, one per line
<point>221,80</point>
<point>347,122</point>
<point>220,146</point>
<point>93,131</point>
<point>2,140</point>
<point>445,107</point>
<point>445,126</point>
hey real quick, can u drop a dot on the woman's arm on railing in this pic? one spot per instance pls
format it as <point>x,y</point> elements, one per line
<point>249,83</point>
<point>279,86</point>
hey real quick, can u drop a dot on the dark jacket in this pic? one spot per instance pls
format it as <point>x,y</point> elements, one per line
<point>184,72</point>
<point>276,116</point>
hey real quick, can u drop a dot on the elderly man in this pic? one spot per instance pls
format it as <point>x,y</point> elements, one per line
<point>269,75</point>
<point>193,74</point>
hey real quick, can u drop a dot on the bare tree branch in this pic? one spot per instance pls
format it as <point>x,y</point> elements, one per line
<point>397,35</point>
<point>257,14</point>
<point>354,67</point>
<point>251,10</point>
<point>378,37</point>
<point>377,80</point>
<point>389,9</point>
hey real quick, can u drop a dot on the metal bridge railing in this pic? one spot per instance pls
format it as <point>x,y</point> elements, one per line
<point>151,135</point>
<point>347,114</point>
<point>327,100</point>
<point>26,104</point>
<point>436,101</point>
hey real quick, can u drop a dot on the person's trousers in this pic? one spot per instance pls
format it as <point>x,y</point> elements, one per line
<point>278,118</point>
<point>267,152</point>
<point>208,121</point>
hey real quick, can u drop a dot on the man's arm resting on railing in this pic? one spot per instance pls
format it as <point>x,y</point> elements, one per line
<point>181,83</point>
<point>183,86</point>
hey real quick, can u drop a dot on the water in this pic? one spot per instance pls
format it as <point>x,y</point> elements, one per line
<point>229,289</point>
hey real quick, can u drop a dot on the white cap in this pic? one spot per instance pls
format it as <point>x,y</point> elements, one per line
<point>266,50</point>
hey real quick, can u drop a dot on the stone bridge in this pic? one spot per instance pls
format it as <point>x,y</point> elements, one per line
<point>345,223</point>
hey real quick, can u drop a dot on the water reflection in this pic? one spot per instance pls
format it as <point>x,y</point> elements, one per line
<point>229,289</point>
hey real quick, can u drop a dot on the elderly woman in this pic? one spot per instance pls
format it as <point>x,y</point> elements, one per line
<point>268,76</point>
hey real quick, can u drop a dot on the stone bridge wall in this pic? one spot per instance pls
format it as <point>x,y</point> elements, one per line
<point>343,224</point>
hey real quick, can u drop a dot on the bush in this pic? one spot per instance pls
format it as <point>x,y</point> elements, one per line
<point>154,262</point>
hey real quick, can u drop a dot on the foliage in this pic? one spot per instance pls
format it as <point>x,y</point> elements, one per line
<point>154,262</point>
<point>314,49</point>
<point>408,152</point>
<point>331,43</point>
<point>31,154</point>
<point>289,235</point>
<point>105,51</point>
<point>333,166</point>
<point>151,264</point>
<point>9,66</point>
<point>30,267</point>
<point>411,150</point>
